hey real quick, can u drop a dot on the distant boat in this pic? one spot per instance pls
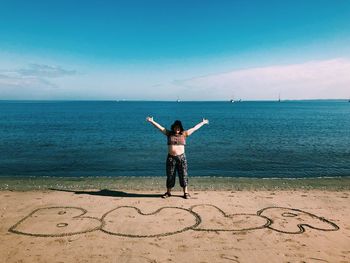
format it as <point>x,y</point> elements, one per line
<point>234,101</point>
<point>178,100</point>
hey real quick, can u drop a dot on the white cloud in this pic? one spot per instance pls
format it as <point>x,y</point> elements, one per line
<point>20,81</point>
<point>19,87</point>
<point>41,70</point>
<point>314,79</point>
<point>31,82</point>
<point>310,80</point>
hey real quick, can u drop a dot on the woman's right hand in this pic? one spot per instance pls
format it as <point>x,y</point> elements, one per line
<point>149,119</point>
<point>205,121</point>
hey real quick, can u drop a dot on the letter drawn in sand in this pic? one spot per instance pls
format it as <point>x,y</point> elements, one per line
<point>56,222</point>
<point>293,221</point>
<point>218,220</point>
<point>172,220</point>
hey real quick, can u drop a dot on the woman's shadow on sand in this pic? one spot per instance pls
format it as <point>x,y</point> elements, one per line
<point>111,193</point>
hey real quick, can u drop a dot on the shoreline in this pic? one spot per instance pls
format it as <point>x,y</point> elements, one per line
<point>158,183</point>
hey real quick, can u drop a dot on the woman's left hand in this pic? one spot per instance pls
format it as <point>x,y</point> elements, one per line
<point>205,121</point>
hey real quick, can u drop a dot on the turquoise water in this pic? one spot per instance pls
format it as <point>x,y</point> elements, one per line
<point>290,139</point>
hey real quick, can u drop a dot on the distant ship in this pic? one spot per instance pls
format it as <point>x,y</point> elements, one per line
<point>234,101</point>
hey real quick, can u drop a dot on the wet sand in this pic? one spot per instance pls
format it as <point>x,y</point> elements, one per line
<point>139,226</point>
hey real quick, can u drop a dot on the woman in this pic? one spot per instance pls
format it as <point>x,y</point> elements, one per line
<point>176,160</point>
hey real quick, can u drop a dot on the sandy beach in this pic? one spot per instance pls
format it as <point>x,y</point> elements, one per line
<point>139,226</point>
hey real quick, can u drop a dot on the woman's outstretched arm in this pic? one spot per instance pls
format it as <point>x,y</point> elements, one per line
<point>192,130</point>
<point>157,125</point>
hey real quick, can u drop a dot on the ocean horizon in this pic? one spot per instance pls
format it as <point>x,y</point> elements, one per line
<point>172,100</point>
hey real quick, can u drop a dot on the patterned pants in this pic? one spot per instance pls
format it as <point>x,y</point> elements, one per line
<point>176,163</point>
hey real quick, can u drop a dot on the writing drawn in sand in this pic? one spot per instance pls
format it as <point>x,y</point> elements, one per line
<point>130,221</point>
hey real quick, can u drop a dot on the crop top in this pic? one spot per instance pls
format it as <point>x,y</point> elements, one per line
<point>174,139</point>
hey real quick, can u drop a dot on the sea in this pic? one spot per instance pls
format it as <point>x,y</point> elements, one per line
<point>91,143</point>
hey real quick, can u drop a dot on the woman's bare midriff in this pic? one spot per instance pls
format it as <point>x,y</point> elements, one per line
<point>176,149</point>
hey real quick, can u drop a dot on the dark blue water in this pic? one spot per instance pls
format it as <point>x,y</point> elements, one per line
<point>249,139</point>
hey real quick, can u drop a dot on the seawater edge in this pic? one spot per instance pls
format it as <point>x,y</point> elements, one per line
<point>158,183</point>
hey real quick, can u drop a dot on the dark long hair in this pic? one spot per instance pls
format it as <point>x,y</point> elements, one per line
<point>177,123</point>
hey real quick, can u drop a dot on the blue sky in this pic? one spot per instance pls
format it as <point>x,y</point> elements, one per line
<point>156,50</point>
